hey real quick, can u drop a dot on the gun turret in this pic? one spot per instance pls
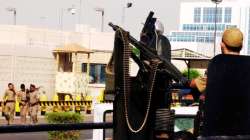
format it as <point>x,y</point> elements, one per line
<point>152,117</point>
<point>150,54</point>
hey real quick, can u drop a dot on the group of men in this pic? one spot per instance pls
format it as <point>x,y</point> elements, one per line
<point>28,101</point>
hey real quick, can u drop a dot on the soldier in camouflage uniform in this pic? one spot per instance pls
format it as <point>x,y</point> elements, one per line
<point>9,101</point>
<point>24,98</point>
<point>33,104</point>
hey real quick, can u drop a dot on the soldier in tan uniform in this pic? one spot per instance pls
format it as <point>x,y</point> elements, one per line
<point>33,102</point>
<point>9,100</point>
<point>23,96</point>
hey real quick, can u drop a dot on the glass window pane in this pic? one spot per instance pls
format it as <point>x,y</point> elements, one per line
<point>84,67</point>
<point>97,73</point>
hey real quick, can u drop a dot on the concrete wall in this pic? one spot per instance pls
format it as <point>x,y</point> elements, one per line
<point>27,65</point>
<point>26,54</point>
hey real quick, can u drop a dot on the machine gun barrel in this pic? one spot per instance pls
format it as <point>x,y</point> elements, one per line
<point>169,67</point>
<point>150,21</point>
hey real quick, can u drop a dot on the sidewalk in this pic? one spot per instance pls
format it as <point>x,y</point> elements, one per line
<point>42,119</point>
<point>84,134</point>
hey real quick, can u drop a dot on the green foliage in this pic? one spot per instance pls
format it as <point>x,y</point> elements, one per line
<point>192,74</point>
<point>136,51</point>
<point>62,118</point>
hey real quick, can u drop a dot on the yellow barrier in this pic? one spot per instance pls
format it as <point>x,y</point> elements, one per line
<point>17,107</point>
<point>100,97</point>
<point>78,107</point>
<point>88,107</point>
<point>57,105</point>
<point>63,103</point>
<point>67,107</point>
<point>43,98</point>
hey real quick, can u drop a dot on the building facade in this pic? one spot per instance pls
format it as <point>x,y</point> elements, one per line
<point>26,54</point>
<point>197,25</point>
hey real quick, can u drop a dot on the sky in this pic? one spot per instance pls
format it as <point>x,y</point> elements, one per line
<point>46,13</point>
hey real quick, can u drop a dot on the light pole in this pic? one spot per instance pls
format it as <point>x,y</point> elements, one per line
<point>11,9</point>
<point>102,12</point>
<point>215,22</point>
<point>128,5</point>
<point>80,12</point>
<point>72,10</point>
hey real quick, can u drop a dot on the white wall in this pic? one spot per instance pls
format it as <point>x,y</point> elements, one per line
<point>187,11</point>
<point>26,65</point>
<point>240,17</point>
<point>203,48</point>
<point>26,53</point>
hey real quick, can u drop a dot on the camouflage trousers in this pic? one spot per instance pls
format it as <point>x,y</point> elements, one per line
<point>33,110</point>
<point>23,111</point>
<point>9,112</point>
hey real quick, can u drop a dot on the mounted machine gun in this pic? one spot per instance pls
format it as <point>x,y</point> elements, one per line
<point>142,102</point>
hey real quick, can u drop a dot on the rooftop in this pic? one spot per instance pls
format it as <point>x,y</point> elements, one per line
<point>72,48</point>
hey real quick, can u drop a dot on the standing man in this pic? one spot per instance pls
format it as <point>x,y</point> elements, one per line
<point>23,103</point>
<point>163,46</point>
<point>231,44</point>
<point>9,100</point>
<point>34,102</point>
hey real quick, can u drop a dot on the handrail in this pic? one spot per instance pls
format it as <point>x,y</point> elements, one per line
<point>53,127</point>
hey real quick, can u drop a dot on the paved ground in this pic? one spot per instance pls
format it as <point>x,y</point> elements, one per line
<point>85,134</point>
<point>42,120</point>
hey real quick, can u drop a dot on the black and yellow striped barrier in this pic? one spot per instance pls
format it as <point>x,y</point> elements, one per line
<point>58,105</point>
<point>65,103</point>
<point>61,103</point>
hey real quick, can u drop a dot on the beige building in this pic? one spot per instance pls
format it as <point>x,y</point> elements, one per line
<point>26,55</point>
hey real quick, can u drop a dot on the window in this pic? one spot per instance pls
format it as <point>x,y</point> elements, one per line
<point>84,67</point>
<point>231,26</point>
<point>212,27</point>
<point>219,15</point>
<point>185,27</point>
<point>209,27</point>
<point>97,72</point>
<point>199,39</point>
<point>200,27</point>
<point>197,15</point>
<point>192,39</point>
<point>209,15</point>
<point>228,15</point>
<point>66,64</point>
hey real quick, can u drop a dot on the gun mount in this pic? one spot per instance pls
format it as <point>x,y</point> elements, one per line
<point>142,103</point>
